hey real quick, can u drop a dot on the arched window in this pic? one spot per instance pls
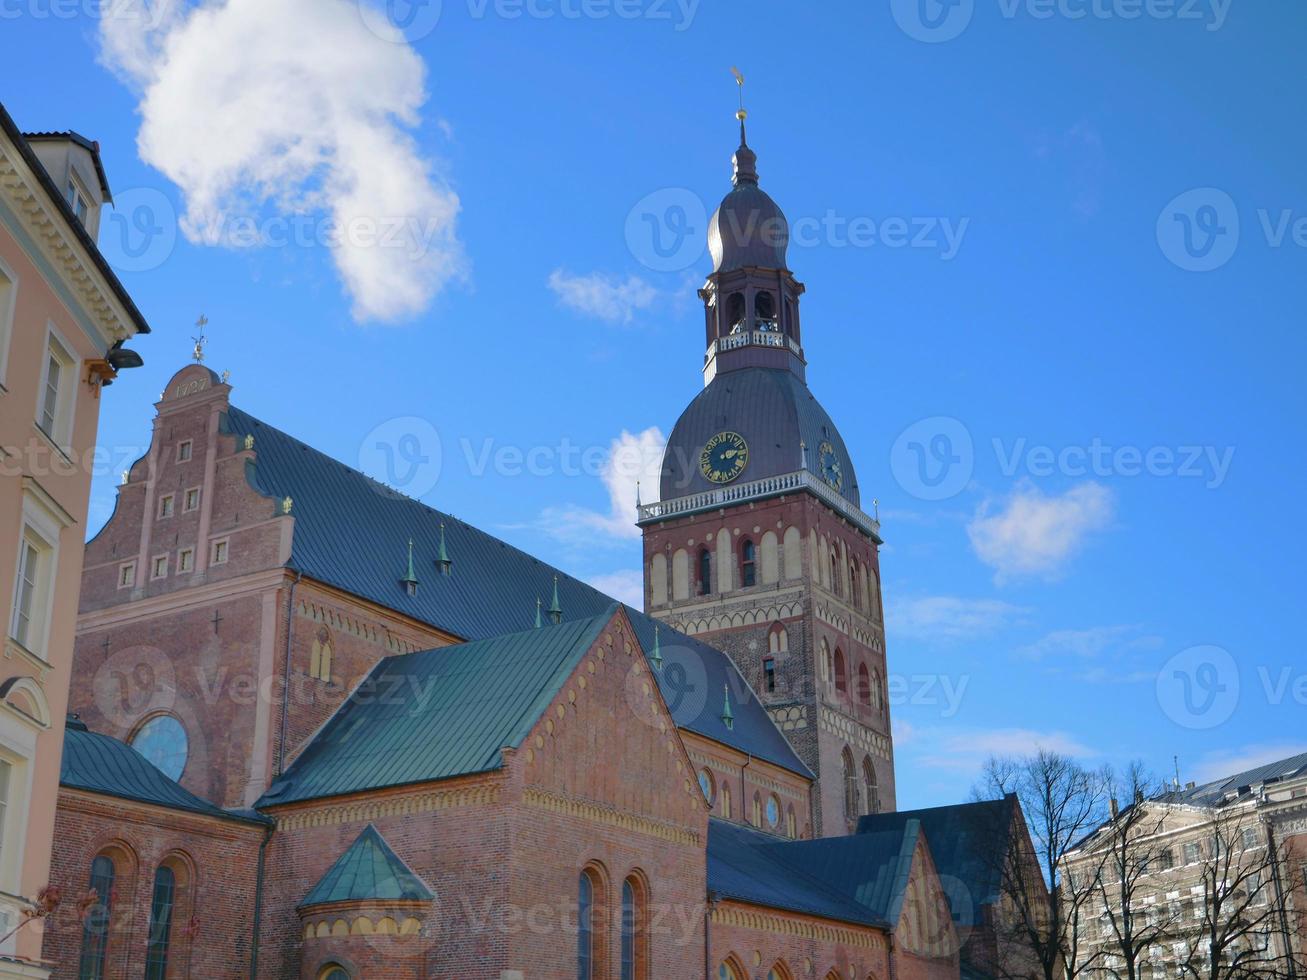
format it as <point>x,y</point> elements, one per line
<point>748,564</point>
<point>764,311</point>
<point>850,786</point>
<point>791,824</point>
<point>163,741</point>
<point>853,584</point>
<point>705,571</point>
<point>95,928</point>
<point>585,923</point>
<point>159,939</point>
<point>841,674</point>
<point>835,574</point>
<point>707,784</point>
<point>735,313</point>
<point>333,971</point>
<point>635,928</point>
<point>870,785</point>
<point>320,655</point>
<point>724,797</point>
<point>779,972</point>
<point>731,970</point>
<point>864,684</point>
<point>826,667</point>
<point>757,810</point>
<point>778,639</point>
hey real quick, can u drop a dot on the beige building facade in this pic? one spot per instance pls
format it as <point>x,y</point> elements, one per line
<point>64,318</point>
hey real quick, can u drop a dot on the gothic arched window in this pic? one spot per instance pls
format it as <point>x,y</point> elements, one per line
<point>870,785</point>
<point>95,928</point>
<point>864,684</point>
<point>841,673</point>
<point>748,564</point>
<point>705,571</point>
<point>591,935</point>
<point>735,313</point>
<point>764,311</point>
<point>850,786</point>
<point>835,579</point>
<point>635,955</point>
<point>159,938</point>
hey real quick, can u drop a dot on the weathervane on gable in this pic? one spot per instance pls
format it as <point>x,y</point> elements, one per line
<point>200,340</point>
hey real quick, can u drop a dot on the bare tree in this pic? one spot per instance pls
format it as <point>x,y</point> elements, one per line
<point>1238,933</point>
<point>1132,851</point>
<point>1041,908</point>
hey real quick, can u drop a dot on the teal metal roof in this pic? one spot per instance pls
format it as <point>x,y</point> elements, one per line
<point>101,764</point>
<point>860,879</point>
<point>352,532</point>
<point>447,712</point>
<point>963,840</point>
<point>368,871</point>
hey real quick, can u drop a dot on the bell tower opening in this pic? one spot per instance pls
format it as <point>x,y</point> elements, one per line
<point>759,517</point>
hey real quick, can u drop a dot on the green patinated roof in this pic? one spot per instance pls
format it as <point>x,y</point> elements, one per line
<point>438,714</point>
<point>368,871</point>
<point>102,764</point>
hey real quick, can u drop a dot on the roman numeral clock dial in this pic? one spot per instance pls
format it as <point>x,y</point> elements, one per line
<point>724,457</point>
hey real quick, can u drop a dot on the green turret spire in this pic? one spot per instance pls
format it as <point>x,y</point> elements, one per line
<point>657,657</point>
<point>728,716</point>
<point>539,603</point>
<point>410,580</point>
<point>442,556</point>
<point>555,609</point>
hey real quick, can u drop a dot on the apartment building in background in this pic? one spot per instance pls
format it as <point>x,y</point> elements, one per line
<point>64,318</point>
<point>1222,864</point>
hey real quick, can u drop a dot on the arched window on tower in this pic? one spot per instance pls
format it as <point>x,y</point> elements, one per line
<point>853,584</point>
<point>841,673</point>
<point>870,786</point>
<point>778,639</point>
<point>864,685</point>
<point>748,564</point>
<point>835,574</point>
<point>764,312</point>
<point>735,315</point>
<point>705,571</point>
<point>850,786</point>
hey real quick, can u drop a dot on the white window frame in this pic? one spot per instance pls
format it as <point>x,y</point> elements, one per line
<point>8,313</point>
<point>41,530</point>
<point>185,561</point>
<point>127,570</point>
<point>189,446</point>
<point>225,544</point>
<point>170,499</point>
<point>186,498</point>
<point>60,431</point>
<point>77,192</point>
<point>155,574</point>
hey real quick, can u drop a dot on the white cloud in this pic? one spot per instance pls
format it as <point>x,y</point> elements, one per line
<point>298,107</point>
<point>1226,762</point>
<point>1089,643</point>
<point>625,585</point>
<point>632,458</point>
<point>604,297</point>
<point>1035,534</point>
<point>966,750</point>
<point>944,617</point>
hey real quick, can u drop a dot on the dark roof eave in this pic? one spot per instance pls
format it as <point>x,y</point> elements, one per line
<point>15,135</point>
<point>217,813</point>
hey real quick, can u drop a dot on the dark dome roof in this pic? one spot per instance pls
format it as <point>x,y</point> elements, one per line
<point>748,228</point>
<point>774,411</point>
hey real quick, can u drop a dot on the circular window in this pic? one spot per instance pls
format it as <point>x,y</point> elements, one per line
<point>162,740</point>
<point>706,784</point>
<point>773,812</point>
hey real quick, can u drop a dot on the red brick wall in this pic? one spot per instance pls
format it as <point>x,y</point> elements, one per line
<point>217,859</point>
<point>757,939</point>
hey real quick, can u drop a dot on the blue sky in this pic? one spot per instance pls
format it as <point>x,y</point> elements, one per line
<point>1054,254</point>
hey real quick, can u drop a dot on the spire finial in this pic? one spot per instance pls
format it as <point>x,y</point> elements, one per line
<point>442,556</point>
<point>657,657</point>
<point>539,602</point>
<point>728,716</point>
<point>741,113</point>
<point>200,339</point>
<point>745,159</point>
<point>555,609</point>
<point>410,579</point>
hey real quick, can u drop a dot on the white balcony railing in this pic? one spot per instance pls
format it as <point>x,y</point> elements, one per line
<point>754,338</point>
<point>756,490</point>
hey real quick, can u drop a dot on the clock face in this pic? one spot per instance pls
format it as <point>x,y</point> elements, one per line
<point>831,471</point>
<point>724,457</point>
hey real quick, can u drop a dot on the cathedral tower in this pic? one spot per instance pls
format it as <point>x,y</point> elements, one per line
<point>758,543</point>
